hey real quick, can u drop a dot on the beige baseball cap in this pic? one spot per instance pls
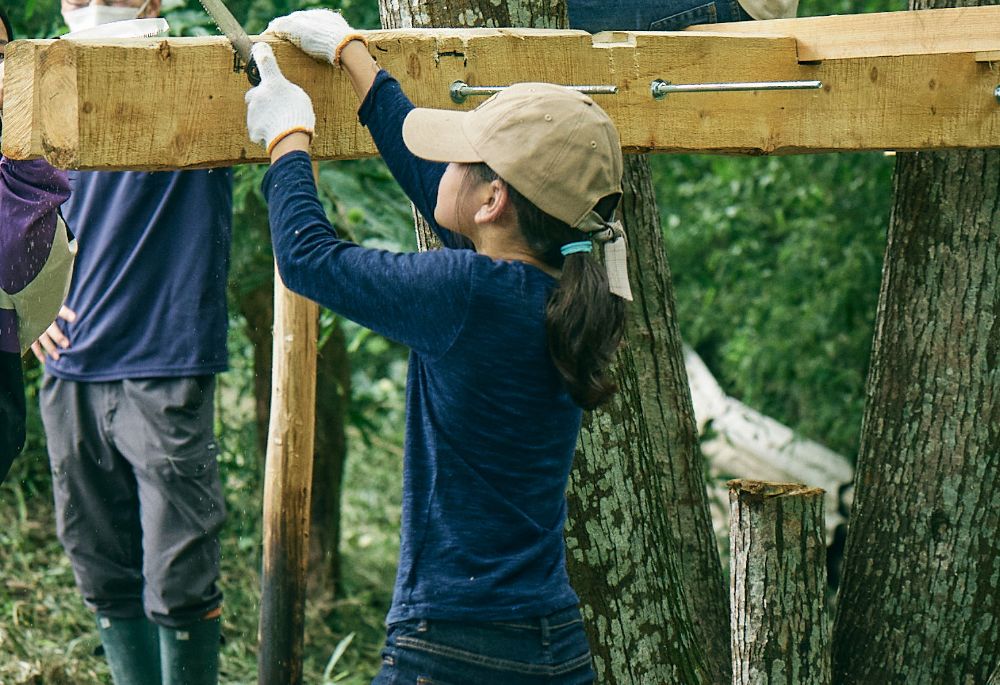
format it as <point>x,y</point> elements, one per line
<point>555,145</point>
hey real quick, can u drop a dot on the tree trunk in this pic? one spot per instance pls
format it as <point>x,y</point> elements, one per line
<point>780,633</point>
<point>920,600</point>
<point>333,382</point>
<point>257,308</point>
<point>641,551</point>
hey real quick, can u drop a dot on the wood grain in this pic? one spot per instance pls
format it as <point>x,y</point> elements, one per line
<point>880,34</point>
<point>178,103</point>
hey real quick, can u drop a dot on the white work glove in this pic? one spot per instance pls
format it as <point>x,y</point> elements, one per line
<point>277,107</point>
<point>320,33</point>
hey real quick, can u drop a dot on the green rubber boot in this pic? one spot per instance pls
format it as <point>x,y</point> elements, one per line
<point>190,655</point>
<point>132,648</point>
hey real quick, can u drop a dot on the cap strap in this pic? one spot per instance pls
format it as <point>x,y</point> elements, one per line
<point>612,234</point>
<point>579,246</point>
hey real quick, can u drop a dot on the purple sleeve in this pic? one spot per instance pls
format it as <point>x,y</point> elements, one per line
<point>30,195</point>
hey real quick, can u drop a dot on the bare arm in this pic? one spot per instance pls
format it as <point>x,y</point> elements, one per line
<point>360,66</point>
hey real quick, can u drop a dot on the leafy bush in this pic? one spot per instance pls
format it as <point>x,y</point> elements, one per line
<point>776,263</point>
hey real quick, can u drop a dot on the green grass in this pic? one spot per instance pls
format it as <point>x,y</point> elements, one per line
<point>48,636</point>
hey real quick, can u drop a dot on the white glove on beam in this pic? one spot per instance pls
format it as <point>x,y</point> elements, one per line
<point>277,107</point>
<point>320,33</point>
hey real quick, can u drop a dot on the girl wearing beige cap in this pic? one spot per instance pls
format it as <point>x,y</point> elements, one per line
<point>511,331</point>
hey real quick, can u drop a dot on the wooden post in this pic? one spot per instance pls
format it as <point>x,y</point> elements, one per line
<point>780,632</point>
<point>287,480</point>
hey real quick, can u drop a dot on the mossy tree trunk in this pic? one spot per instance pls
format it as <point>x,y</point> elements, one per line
<point>920,599</point>
<point>642,553</point>
<point>641,550</point>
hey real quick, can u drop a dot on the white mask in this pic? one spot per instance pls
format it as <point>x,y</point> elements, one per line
<point>95,15</point>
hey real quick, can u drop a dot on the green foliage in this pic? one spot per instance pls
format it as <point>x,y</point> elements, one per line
<point>35,18</point>
<point>776,265</point>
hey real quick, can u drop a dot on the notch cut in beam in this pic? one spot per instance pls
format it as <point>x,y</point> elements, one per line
<point>178,103</point>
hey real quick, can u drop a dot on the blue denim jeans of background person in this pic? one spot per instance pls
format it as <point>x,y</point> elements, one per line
<point>552,650</point>
<point>651,15</point>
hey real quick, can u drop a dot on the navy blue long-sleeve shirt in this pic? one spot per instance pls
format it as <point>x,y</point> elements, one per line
<point>490,427</point>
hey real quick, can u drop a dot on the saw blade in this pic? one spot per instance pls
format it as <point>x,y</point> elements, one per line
<point>227,23</point>
<point>132,28</point>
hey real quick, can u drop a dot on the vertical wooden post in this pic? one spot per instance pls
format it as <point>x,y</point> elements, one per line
<point>780,631</point>
<point>287,479</point>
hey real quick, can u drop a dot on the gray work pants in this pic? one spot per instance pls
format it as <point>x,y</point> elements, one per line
<point>137,494</point>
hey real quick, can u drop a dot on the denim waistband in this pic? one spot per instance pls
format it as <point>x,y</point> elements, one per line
<point>554,621</point>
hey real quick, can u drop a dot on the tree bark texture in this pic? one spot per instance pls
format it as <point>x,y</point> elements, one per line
<point>780,633</point>
<point>640,526</point>
<point>641,551</point>
<point>920,601</point>
<point>399,14</point>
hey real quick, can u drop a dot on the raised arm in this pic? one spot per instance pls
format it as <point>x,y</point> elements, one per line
<point>326,36</point>
<point>420,300</point>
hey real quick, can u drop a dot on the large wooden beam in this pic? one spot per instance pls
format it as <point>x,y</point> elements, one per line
<point>925,32</point>
<point>178,102</point>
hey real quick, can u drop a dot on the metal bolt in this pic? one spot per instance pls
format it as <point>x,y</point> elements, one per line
<point>460,90</point>
<point>660,88</point>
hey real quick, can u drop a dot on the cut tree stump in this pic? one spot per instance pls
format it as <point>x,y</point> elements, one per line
<point>780,631</point>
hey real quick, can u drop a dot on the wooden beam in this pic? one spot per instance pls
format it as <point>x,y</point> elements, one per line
<point>882,34</point>
<point>178,102</point>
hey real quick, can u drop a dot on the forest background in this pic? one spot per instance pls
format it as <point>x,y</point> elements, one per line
<point>776,265</point>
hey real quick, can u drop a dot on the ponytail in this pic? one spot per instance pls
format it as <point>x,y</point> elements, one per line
<point>584,321</point>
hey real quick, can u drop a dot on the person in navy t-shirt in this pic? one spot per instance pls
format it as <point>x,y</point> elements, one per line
<point>127,404</point>
<point>511,330</point>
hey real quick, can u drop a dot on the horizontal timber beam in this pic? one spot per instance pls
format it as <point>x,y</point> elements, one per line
<point>882,34</point>
<point>178,102</point>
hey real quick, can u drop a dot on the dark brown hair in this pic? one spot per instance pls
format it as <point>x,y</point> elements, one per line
<point>584,321</point>
<point>6,25</point>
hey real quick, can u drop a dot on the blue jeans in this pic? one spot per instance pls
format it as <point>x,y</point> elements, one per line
<point>551,650</point>
<point>656,15</point>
